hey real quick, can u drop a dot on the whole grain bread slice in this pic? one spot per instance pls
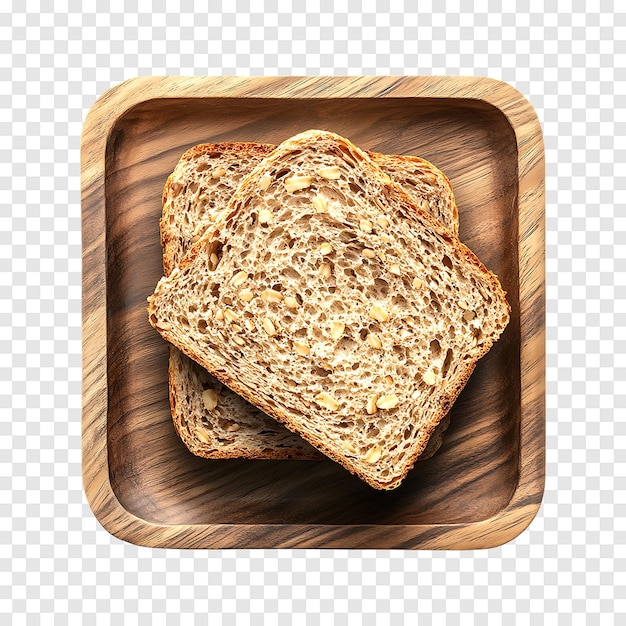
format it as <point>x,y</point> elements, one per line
<point>197,191</point>
<point>361,355</point>
<point>367,316</point>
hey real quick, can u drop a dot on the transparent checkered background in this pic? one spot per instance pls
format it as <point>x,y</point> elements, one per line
<point>56,561</point>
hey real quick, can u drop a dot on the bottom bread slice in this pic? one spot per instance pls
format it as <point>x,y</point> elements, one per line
<point>195,194</point>
<point>366,319</point>
<point>216,423</point>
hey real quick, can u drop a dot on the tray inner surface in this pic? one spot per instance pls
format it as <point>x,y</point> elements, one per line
<point>153,475</point>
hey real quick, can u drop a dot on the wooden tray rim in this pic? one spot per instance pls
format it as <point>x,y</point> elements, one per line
<point>525,502</point>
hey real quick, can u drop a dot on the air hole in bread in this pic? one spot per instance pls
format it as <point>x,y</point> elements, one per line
<point>202,325</point>
<point>435,348</point>
<point>400,302</point>
<point>400,352</point>
<point>320,371</point>
<point>347,236</point>
<point>317,332</point>
<point>276,233</point>
<point>347,344</point>
<point>290,272</point>
<point>434,301</point>
<point>354,188</point>
<point>447,362</point>
<point>380,289</point>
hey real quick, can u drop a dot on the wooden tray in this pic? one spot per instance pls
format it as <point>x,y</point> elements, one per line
<point>485,484</point>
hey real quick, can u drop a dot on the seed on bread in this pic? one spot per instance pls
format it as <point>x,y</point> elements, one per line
<point>302,348</point>
<point>348,447</point>
<point>327,401</point>
<point>368,253</point>
<point>230,315</point>
<point>390,401</point>
<point>246,295</point>
<point>264,183</point>
<point>382,222</point>
<point>265,216</point>
<point>271,296</point>
<point>337,329</point>
<point>214,260</point>
<point>320,204</point>
<point>417,283</point>
<point>331,173</point>
<point>232,427</point>
<point>325,270</point>
<point>366,226</point>
<point>468,316</point>
<point>239,279</point>
<point>394,268</point>
<point>219,315</point>
<point>429,377</point>
<point>379,313</point>
<point>326,248</point>
<point>371,407</point>
<point>240,341</point>
<point>218,172</point>
<point>209,399</point>
<point>269,327</point>
<point>201,434</point>
<point>373,454</point>
<point>296,183</point>
<point>374,341</point>
<point>291,302</point>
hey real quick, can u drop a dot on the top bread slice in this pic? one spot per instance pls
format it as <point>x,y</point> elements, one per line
<point>196,192</point>
<point>367,316</point>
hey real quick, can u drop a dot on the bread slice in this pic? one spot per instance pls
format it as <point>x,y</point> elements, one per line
<point>197,191</point>
<point>367,316</point>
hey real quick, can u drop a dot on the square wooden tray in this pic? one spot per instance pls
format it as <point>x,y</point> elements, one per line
<point>485,484</point>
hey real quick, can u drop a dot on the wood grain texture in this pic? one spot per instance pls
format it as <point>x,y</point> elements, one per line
<point>485,484</point>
